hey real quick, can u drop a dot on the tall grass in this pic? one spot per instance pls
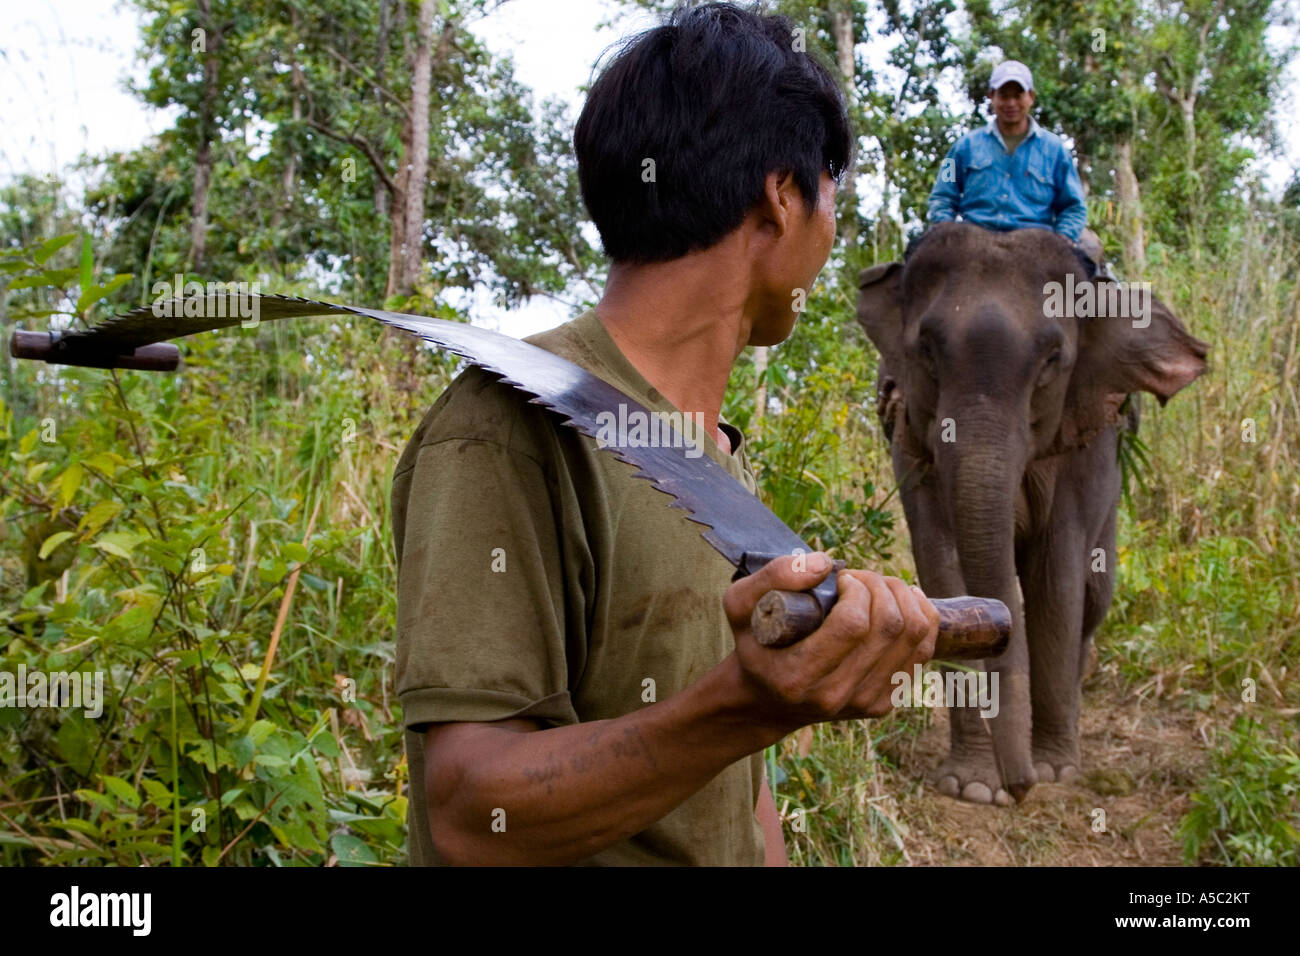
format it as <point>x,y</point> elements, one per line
<point>206,481</point>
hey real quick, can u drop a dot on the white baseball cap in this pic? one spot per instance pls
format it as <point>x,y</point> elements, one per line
<point>1012,71</point>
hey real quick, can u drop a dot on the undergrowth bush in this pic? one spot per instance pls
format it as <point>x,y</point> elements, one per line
<point>155,526</point>
<point>172,528</point>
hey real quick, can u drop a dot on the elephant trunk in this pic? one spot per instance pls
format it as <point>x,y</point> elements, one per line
<point>983,496</point>
<point>985,471</point>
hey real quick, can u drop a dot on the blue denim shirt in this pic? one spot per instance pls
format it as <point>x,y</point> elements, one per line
<point>1036,187</point>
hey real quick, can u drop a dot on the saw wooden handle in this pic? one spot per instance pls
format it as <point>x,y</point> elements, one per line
<point>970,628</point>
<point>44,346</point>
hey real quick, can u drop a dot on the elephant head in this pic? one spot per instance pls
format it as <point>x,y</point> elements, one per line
<point>1000,361</point>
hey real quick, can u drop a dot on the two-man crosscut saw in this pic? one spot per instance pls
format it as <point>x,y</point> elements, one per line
<point>734,522</point>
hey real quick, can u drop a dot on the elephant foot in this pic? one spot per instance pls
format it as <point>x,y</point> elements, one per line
<point>1049,772</point>
<point>1056,764</point>
<point>973,778</point>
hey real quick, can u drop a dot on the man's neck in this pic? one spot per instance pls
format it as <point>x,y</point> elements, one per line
<point>1020,129</point>
<point>682,327</point>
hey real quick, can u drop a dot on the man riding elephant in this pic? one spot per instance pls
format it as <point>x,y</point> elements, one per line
<point>1008,174</point>
<point>1003,412</point>
<point>1011,173</point>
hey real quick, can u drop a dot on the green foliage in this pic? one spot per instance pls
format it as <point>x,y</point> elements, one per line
<point>176,507</point>
<point>1248,812</point>
<point>841,801</point>
<point>1134,455</point>
<point>1187,88</point>
<point>309,116</point>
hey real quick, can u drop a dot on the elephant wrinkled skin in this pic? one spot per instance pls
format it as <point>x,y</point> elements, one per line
<point>1004,443</point>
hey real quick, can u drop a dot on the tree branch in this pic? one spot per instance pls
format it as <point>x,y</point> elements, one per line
<point>361,144</point>
<point>348,64</point>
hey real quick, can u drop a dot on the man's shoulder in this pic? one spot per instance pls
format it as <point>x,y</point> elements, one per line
<point>479,406</point>
<point>1051,143</point>
<point>972,137</point>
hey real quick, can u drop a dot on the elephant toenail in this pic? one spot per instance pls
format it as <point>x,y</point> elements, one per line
<point>1019,790</point>
<point>977,792</point>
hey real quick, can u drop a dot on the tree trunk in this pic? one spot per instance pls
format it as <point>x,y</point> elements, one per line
<point>397,218</point>
<point>381,70</point>
<point>289,175</point>
<point>203,154</point>
<point>1127,193</point>
<point>842,25</point>
<point>419,156</point>
<point>1187,107</point>
<point>405,267</point>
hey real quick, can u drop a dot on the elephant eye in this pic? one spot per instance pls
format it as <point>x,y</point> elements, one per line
<point>1050,367</point>
<point>926,350</point>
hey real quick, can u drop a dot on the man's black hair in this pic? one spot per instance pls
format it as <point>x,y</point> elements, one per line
<point>717,97</point>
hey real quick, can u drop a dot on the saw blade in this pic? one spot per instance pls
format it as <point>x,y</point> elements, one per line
<point>735,522</point>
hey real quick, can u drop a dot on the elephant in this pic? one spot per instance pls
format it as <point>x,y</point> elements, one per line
<point>1003,411</point>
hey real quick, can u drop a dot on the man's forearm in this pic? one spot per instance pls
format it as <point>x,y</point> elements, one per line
<point>561,795</point>
<point>1071,222</point>
<point>941,209</point>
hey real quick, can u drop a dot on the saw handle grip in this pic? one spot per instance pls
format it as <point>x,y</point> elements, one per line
<point>46,347</point>
<point>970,628</point>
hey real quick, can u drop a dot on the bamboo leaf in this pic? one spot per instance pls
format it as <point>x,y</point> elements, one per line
<point>69,482</point>
<point>99,515</point>
<point>122,790</point>
<point>52,542</point>
<point>50,246</point>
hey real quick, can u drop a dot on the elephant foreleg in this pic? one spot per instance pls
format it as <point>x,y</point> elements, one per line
<point>970,771</point>
<point>1054,588</point>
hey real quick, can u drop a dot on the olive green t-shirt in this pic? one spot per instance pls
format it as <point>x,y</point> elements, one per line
<point>538,578</point>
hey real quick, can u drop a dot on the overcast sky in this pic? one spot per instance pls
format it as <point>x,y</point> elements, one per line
<point>63,64</point>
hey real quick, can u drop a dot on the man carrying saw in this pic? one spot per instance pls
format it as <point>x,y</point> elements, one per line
<point>576,669</point>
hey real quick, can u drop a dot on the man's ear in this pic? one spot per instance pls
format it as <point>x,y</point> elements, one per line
<point>1116,358</point>
<point>778,185</point>
<point>880,311</point>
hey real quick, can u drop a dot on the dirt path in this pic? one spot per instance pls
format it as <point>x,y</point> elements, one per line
<point>1142,757</point>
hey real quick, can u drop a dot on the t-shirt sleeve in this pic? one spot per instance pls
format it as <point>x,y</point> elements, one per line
<point>481,618</point>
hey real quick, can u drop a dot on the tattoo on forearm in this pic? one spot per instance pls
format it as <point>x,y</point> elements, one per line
<point>627,744</point>
<point>547,774</point>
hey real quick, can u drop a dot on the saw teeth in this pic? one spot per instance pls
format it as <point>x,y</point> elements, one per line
<point>139,322</point>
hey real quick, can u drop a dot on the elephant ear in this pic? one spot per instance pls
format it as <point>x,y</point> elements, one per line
<point>1116,358</point>
<point>880,311</point>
